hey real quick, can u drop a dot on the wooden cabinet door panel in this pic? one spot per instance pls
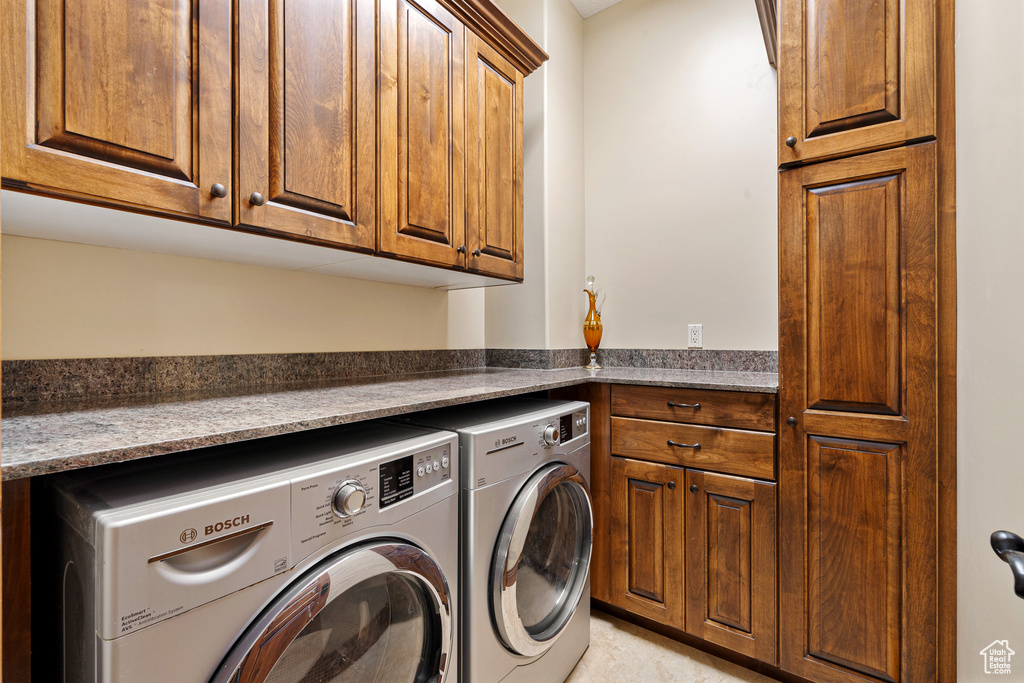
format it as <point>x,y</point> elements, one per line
<point>307,120</point>
<point>422,100</point>
<point>854,295</point>
<point>853,555</point>
<point>647,540</point>
<point>855,75</point>
<point>857,470</point>
<point>731,562</point>
<point>125,102</point>
<point>494,167</point>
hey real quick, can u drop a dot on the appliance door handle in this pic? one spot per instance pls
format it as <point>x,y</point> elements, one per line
<point>1010,549</point>
<point>212,542</point>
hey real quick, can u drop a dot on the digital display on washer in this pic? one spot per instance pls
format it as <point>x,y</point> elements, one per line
<point>395,481</point>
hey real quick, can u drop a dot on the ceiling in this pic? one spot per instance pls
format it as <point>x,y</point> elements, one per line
<point>589,8</point>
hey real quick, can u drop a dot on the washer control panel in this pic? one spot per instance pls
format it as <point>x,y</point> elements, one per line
<point>405,477</point>
<point>563,428</point>
<point>332,502</point>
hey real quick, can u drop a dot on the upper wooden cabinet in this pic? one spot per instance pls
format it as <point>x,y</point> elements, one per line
<point>307,120</point>
<point>126,102</point>
<point>854,75</point>
<point>494,143</point>
<point>392,126</point>
<point>422,119</point>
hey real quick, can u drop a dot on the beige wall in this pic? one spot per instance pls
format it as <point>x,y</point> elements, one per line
<point>990,228</point>
<point>681,187</point>
<point>65,300</point>
<point>548,309</point>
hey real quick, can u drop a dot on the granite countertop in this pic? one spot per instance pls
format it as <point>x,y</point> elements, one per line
<point>42,438</point>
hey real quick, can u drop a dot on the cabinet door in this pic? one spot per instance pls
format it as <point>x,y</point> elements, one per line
<point>124,102</point>
<point>423,118</point>
<point>857,468</point>
<point>494,162</point>
<point>854,75</point>
<point>307,120</point>
<point>731,562</point>
<point>647,540</point>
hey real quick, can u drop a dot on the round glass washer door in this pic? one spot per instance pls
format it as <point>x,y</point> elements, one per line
<point>542,560</point>
<point>376,612</point>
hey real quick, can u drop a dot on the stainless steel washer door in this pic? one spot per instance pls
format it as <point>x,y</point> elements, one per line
<point>541,560</point>
<point>377,612</point>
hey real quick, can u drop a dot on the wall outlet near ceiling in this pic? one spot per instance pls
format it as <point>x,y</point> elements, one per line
<point>695,336</point>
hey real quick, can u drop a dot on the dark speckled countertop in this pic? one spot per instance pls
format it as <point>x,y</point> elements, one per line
<point>41,438</point>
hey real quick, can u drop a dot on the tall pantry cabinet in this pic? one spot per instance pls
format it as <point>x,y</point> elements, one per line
<point>866,576</point>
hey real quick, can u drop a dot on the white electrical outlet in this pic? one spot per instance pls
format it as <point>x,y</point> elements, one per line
<point>695,336</point>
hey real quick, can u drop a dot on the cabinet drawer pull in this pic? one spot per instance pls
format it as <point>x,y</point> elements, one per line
<point>673,404</point>
<point>694,446</point>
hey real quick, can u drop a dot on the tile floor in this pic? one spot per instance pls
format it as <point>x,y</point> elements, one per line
<point>621,652</point>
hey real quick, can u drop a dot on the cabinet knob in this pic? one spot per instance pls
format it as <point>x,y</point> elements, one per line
<point>791,421</point>
<point>693,488</point>
<point>256,199</point>
<point>461,249</point>
<point>219,190</point>
<point>791,141</point>
<point>476,252</point>
<point>671,485</point>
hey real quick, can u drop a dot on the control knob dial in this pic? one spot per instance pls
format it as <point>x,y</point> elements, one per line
<point>349,498</point>
<point>550,435</point>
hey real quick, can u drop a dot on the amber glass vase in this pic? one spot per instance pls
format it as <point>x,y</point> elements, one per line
<point>592,330</point>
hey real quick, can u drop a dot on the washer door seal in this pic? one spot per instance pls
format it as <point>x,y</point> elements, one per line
<point>542,560</point>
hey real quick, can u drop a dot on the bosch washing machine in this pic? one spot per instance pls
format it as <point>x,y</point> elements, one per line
<point>527,531</point>
<point>328,557</point>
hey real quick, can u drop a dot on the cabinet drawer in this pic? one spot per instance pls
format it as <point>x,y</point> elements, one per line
<point>720,408</point>
<point>733,451</point>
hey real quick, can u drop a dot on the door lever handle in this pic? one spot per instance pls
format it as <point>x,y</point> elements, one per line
<point>1010,549</point>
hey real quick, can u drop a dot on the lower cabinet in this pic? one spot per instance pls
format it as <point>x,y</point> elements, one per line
<point>692,526</point>
<point>647,540</point>
<point>730,562</point>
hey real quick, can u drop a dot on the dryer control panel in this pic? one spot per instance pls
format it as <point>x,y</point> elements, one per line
<point>495,451</point>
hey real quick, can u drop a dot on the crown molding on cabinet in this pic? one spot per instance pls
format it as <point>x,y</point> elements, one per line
<point>489,22</point>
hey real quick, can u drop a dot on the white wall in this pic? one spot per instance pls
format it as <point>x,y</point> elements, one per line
<point>547,310</point>
<point>681,190</point>
<point>65,300</point>
<point>990,374</point>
